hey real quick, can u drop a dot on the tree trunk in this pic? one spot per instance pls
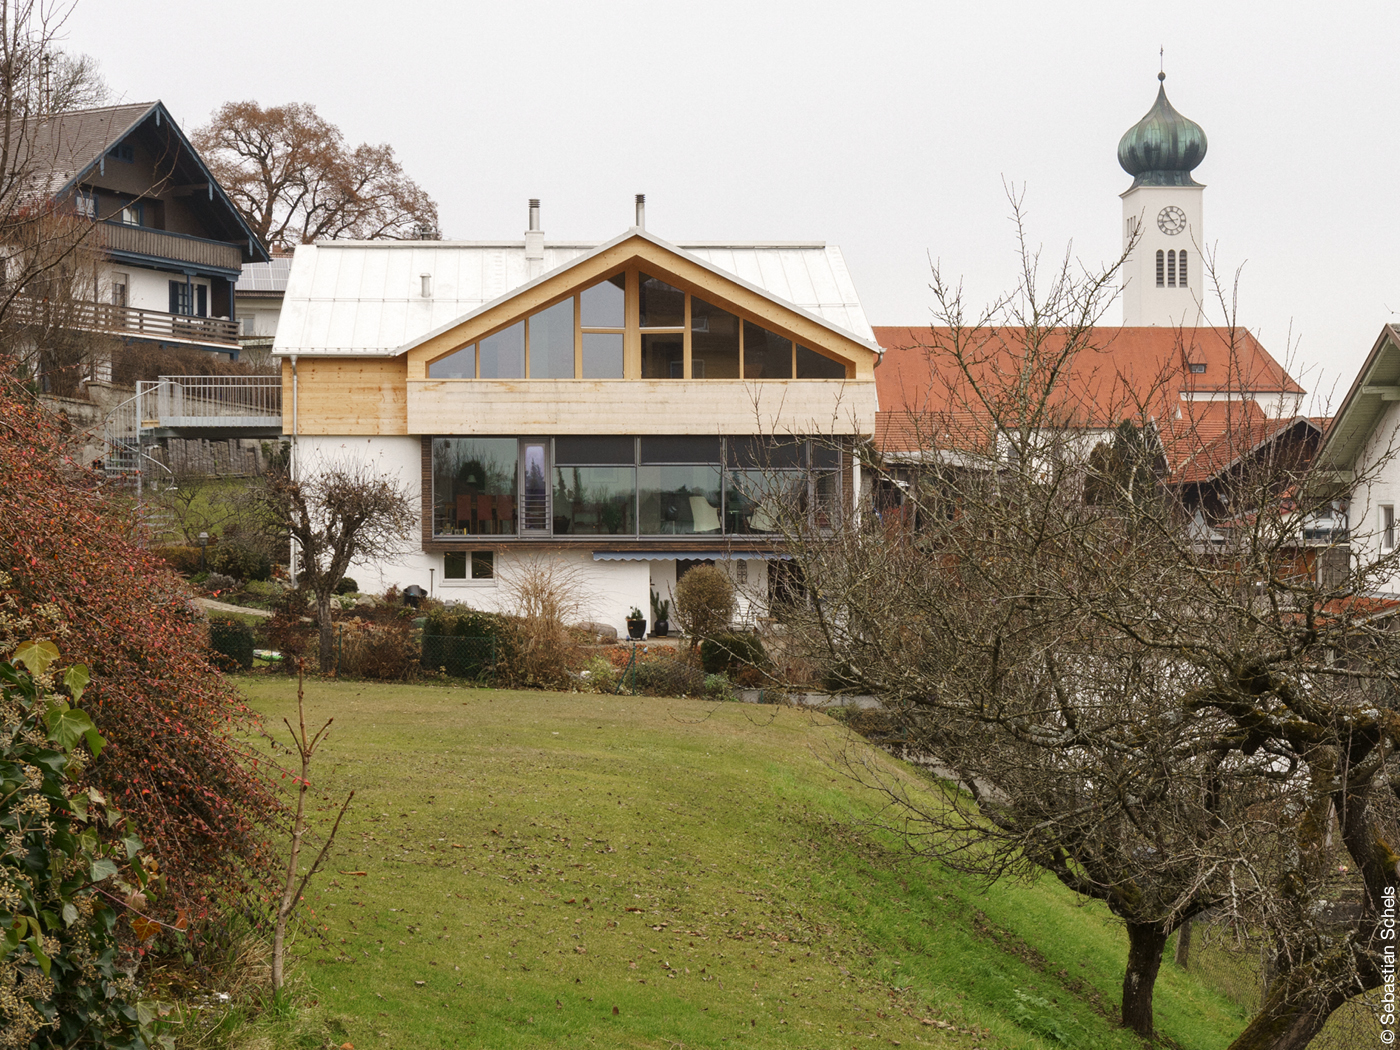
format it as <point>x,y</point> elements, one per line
<point>1281,1025</point>
<point>1183,945</point>
<point>1146,943</point>
<point>323,619</point>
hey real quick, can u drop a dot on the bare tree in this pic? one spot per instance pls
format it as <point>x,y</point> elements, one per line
<point>295,180</point>
<point>1097,612</point>
<point>337,514</point>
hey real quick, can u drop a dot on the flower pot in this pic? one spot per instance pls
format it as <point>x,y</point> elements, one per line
<point>661,628</point>
<point>636,628</point>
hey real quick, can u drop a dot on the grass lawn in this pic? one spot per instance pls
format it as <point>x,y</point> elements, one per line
<point>525,869</point>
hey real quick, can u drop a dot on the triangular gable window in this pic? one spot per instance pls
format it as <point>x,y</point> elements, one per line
<point>673,333</point>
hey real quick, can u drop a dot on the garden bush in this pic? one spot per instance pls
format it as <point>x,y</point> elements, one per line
<point>704,602</point>
<point>184,560</point>
<point>232,643</point>
<point>463,642</point>
<point>731,651</point>
<point>347,586</point>
<point>73,569</point>
<point>218,583</point>
<point>382,652</point>
<point>71,869</point>
<point>240,561</point>
<point>667,677</point>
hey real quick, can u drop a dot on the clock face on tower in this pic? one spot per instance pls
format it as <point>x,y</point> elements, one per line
<point>1171,220</point>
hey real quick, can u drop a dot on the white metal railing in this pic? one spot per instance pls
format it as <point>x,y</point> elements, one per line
<point>224,401</point>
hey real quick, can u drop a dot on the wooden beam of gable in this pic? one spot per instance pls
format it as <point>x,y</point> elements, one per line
<point>189,188</point>
<point>1387,393</point>
<point>684,273</point>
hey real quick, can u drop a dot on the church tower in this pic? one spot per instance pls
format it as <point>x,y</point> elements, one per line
<point>1162,209</point>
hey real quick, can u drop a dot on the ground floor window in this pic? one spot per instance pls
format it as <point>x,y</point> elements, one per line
<point>474,565</point>
<point>630,486</point>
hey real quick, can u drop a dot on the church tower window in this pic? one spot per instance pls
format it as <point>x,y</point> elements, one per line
<point>1181,268</point>
<point>1171,269</point>
<point>1161,268</point>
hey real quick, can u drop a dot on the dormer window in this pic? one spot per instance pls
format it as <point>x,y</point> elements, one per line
<point>1197,367</point>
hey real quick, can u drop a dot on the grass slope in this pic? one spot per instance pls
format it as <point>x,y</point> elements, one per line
<point>591,871</point>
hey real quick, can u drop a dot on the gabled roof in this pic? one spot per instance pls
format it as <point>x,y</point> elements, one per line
<point>1206,419</point>
<point>364,297</point>
<point>1373,392</point>
<point>63,148</point>
<point>1203,439</point>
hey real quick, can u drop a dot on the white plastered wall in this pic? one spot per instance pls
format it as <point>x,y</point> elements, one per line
<point>147,289</point>
<point>1379,468</point>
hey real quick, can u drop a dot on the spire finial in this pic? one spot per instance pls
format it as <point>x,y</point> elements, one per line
<point>1162,63</point>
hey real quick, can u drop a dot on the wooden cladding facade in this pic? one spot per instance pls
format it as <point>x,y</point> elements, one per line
<point>345,395</point>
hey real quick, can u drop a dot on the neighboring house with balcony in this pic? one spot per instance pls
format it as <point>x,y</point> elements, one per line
<point>171,244</point>
<point>622,411</point>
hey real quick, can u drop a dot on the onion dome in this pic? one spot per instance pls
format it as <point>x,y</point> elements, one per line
<point>1163,147</point>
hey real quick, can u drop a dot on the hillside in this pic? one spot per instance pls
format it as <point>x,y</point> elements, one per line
<point>527,869</point>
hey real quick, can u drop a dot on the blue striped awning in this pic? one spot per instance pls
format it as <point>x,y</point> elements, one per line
<point>690,556</point>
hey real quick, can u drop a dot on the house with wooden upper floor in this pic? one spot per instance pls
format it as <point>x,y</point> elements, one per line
<point>623,410</point>
<point>166,246</point>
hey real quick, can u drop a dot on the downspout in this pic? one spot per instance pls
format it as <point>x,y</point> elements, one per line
<point>292,466</point>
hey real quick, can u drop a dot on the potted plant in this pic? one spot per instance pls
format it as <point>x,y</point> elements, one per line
<point>660,613</point>
<point>636,624</point>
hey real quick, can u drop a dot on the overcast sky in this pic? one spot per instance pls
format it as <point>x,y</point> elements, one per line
<point>885,128</point>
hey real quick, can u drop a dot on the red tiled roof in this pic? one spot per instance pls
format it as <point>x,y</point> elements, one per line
<point>1118,373</point>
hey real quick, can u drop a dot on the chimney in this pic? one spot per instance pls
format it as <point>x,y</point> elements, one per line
<point>534,242</point>
<point>641,211</point>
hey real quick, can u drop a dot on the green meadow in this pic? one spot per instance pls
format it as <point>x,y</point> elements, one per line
<point>527,869</point>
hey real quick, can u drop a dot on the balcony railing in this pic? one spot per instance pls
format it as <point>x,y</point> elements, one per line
<point>159,244</point>
<point>129,321</point>
<point>211,401</point>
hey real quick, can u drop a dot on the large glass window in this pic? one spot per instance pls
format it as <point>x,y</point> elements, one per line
<point>602,355</point>
<point>605,304</point>
<point>812,365</point>
<point>663,355</point>
<point>761,500</point>
<point>660,305</point>
<point>679,499</point>
<point>679,336</point>
<point>623,486</point>
<point>534,502</point>
<point>595,486</point>
<point>714,341</point>
<point>474,486</point>
<point>767,355</point>
<point>502,355</point>
<point>460,364</point>
<point>552,342</point>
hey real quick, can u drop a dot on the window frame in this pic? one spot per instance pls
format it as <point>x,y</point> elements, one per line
<point>812,473</point>
<point>632,333</point>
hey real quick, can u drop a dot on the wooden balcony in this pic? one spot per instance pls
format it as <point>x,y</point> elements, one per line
<point>129,321</point>
<point>178,247</point>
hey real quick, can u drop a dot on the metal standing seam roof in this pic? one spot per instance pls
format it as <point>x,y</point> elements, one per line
<point>364,297</point>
